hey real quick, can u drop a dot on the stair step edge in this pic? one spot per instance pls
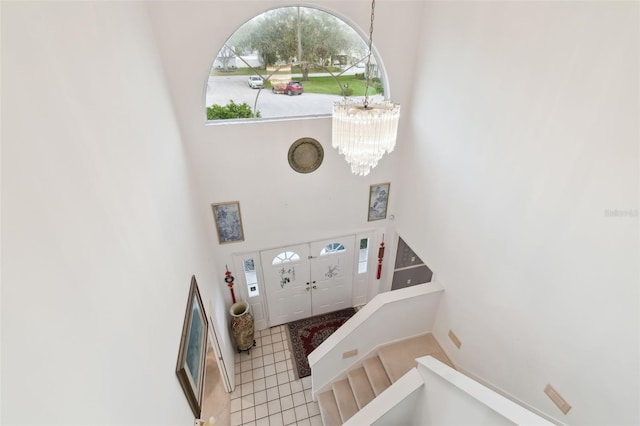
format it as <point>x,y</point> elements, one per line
<point>377,375</point>
<point>343,394</point>
<point>361,387</point>
<point>329,409</point>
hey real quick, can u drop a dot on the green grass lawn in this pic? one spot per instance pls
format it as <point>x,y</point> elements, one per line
<point>328,85</point>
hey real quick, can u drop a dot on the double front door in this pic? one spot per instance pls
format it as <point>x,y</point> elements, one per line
<point>308,279</point>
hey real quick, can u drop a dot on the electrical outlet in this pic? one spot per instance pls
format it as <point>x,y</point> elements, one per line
<point>413,258</point>
<point>455,339</point>
<point>409,281</point>
<point>557,399</point>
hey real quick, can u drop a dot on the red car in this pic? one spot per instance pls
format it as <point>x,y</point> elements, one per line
<point>290,88</point>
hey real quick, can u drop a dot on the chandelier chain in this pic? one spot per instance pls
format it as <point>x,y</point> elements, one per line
<point>368,69</point>
<point>364,133</point>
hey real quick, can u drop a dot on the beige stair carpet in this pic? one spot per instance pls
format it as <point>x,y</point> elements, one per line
<point>329,409</point>
<point>364,383</point>
<point>361,387</point>
<point>377,375</point>
<point>398,358</point>
<point>347,405</point>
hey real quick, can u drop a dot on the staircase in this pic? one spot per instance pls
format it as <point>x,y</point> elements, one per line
<point>365,382</point>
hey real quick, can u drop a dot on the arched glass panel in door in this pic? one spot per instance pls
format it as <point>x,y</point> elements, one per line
<point>332,248</point>
<point>284,257</point>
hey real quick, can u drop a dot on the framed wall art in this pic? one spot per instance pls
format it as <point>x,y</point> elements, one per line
<point>378,201</point>
<point>228,222</point>
<point>193,348</point>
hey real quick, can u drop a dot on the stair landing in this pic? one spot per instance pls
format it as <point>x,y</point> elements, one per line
<point>400,357</point>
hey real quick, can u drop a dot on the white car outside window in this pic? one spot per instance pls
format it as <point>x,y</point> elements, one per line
<point>256,82</point>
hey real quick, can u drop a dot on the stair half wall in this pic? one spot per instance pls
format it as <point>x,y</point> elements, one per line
<point>367,381</point>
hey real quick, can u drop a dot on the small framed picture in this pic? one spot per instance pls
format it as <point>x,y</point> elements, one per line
<point>378,201</point>
<point>228,222</point>
<point>193,348</point>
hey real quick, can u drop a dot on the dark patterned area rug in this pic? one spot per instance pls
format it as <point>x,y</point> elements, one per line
<point>306,334</point>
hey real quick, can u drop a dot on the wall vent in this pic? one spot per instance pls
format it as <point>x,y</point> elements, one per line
<point>350,353</point>
<point>557,399</point>
<point>455,339</point>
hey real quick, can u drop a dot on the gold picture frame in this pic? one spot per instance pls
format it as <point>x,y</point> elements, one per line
<point>193,347</point>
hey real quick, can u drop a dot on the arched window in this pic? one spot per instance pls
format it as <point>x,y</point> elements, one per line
<point>332,248</point>
<point>289,62</point>
<point>284,257</point>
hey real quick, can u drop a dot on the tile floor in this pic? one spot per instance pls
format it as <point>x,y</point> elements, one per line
<point>267,392</point>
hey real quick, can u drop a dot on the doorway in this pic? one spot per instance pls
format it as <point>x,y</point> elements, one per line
<point>409,269</point>
<point>216,401</point>
<point>308,279</point>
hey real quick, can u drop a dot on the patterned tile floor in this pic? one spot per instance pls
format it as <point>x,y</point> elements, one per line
<point>267,392</point>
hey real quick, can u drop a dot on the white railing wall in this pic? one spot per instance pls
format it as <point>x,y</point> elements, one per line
<point>434,394</point>
<point>389,317</point>
<point>453,398</point>
<point>397,405</point>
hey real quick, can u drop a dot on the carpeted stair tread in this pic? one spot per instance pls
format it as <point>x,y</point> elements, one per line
<point>360,386</point>
<point>347,405</point>
<point>329,409</point>
<point>398,358</point>
<point>377,375</point>
<point>440,356</point>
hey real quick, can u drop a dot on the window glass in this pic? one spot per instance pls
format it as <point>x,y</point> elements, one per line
<point>251,277</point>
<point>284,257</point>
<point>363,256</point>
<point>331,248</point>
<point>290,62</point>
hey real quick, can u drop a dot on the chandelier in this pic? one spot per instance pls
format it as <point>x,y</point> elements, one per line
<point>364,132</point>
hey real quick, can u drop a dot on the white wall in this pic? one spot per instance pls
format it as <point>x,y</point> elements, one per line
<point>435,394</point>
<point>525,132</point>
<point>390,317</point>
<point>451,398</point>
<point>100,230</point>
<point>248,162</point>
<point>404,412</point>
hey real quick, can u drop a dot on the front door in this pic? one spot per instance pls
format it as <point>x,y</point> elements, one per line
<point>332,274</point>
<point>286,274</point>
<point>308,279</point>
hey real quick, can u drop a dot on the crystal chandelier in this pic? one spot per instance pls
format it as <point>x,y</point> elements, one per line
<point>364,132</point>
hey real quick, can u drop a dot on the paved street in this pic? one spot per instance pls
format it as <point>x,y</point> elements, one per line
<point>224,88</point>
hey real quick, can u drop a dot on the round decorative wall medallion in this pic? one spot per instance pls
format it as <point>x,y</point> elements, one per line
<point>305,155</point>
